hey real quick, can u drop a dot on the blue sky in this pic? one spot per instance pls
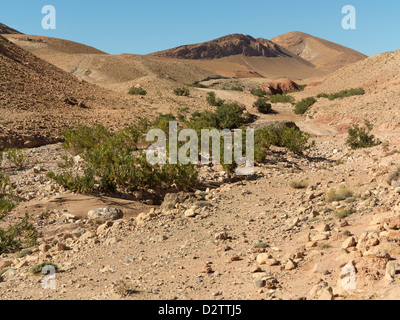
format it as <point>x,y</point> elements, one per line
<point>130,26</point>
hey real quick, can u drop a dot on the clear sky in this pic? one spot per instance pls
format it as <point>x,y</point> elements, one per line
<point>130,26</point>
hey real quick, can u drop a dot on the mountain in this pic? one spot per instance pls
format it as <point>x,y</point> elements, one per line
<point>242,56</point>
<point>323,54</point>
<point>7,30</point>
<point>226,46</point>
<point>116,72</point>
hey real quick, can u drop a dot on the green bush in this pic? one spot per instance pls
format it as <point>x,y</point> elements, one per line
<point>229,116</point>
<point>281,136</point>
<point>303,106</point>
<point>236,88</point>
<point>182,92</point>
<point>339,194</point>
<point>213,101</point>
<point>137,91</point>
<point>263,106</point>
<point>302,184</point>
<point>197,85</point>
<point>282,98</point>
<point>259,93</point>
<point>16,158</point>
<point>16,235</point>
<point>360,137</point>
<point>342,94</point>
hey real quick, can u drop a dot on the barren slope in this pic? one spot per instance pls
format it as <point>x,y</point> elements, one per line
<point>7,30</point>
<point>321,53</point>
<point>116,72</point>
<point>33,97</point>
<point>241,56</point>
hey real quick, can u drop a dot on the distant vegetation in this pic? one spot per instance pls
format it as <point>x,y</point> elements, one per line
<point>137,91</point>
<point>263,106</point>
<point>281,98</point>
<point>213,100</point>
<point>302,106</point>
<point>342,94</point>
<point>360,137</point>
<point>259,93</point>
<point>197,85</point>
<point>182,92</point>
<point>303,184</point>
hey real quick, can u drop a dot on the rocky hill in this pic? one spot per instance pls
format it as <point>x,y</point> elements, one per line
<point>321,53</point>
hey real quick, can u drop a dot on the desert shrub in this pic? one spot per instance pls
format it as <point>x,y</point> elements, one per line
<point>342,94</point>
<point>229,116</point>
<point>236,88</point>
<point>263,106</point>
<point>360,137</point>
<point>393,176</point>
<point>213,101</point>
<point>202,120</point>
<point>339,194</point>
<point>303,106</point>
<point>162,122</point>
<point>344,213</point>
<point>82,184</point>
<point>36,270</point>
<point>182,92</point>
<point>17,235</point>
<point>24,253</point>
<point>281,136</point>
<point>293,139</point>
<point>259,93</point>
<point>282,98</point>
<point>113,163</point>
<point>83,138</point>
<point>197,85</point>
<point>299,184</point>
<point>16,158</point>
<point>137,91</point>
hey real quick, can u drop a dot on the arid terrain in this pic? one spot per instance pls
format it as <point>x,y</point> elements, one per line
<point>262,237</point>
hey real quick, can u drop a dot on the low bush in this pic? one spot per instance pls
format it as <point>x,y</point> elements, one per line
<point>16,235</point>
<point>263,106</point>
<point>282,98</point>
<point>360,137</point>
<point>259,93</point>
<point>137,91</point>
<point>339,194</point>
<point>213,101</point>
<point>303,106</point>
<point>182,92</point>
<point>342,94</point>
<point>344,213</point>
<point>299,184</point>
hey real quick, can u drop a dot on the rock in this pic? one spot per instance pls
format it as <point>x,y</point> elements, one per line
<point>106,214</point>
<point>190,213</point>
<point>322,291</point>
<point>390,271</point>
<point>392,223</point>
<point>290,265</point>
<point>376,252</point>
<point>349,242</point>
<point>221,236</point>
<point>87,235</point>
<point>44,247</point>
<point>21,264</point>
<point>267,259</point>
